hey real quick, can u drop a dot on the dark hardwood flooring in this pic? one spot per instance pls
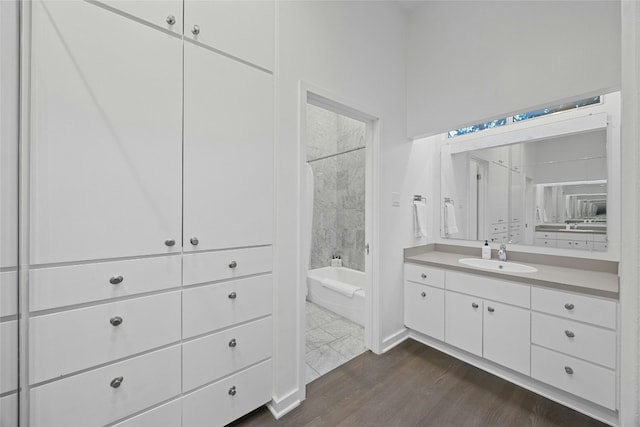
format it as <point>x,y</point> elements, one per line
<point>415,385</point>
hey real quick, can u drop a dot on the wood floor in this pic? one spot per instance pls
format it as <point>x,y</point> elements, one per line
<point>415,385</point>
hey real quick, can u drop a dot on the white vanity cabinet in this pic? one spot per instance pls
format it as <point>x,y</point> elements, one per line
<point>165,14</point>
<point>424,300</point>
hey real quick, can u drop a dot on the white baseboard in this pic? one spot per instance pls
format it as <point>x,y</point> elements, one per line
<point>281,407</point>
<point>394,339</point>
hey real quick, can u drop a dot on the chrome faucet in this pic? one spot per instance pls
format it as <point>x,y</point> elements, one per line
<point>502,252</point>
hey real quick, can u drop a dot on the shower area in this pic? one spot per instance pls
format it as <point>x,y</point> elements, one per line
<point>336,281</point>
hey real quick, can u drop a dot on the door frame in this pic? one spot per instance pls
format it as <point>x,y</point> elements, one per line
<point>309,93</point>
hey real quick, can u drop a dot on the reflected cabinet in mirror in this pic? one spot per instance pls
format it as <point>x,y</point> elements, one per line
<point>532,187</point>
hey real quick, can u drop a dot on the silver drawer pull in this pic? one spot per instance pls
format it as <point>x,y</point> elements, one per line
<point>423,294</point>
<point>233,343</point>
<point>424,276</point>
<point>116,320</point>
<point>169,242</point>
<point>232,391</point>
<point>233,295</point>
<point>568,370</point>
<point>233,264</point>
<point>195,30</point>
<point>194,241</point>
<point>569,334</point>
<point>569,306</point>
<point>490,309</point>
<point>117,382</point>
<point>115,280</point>
<point>474,305</point>
<point>171,20</point>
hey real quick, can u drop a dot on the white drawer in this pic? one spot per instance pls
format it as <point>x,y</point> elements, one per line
<point>9,356</point>
<point>69,341</point>
<point>582,245</point>
<point>584,379</point>
<point>600,238</point>
<point>212,266</point>
<point>573,236</point>
<point>550,243</point>
<point>8,293</point>
<point>423,274</point>
<point>489,288</point>
<point>214,356</point>
<point>167,415</point>
<point>228,399</point>
<point>546,235</point>
<point>583,308</point>
<point>61,286</point>
<point>564,244</point>
<point>213,307</point>
<point>587,342</point>
<point>424,309</point>
<point>89,399</point>
<point>9,410</point>
<point>600,246</point>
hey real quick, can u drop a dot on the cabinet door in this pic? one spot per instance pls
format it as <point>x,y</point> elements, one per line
<point>106,129</point>
<point>424,309</point>
<point>463,322</point>
<point>507,336</point>
<point>243,29</point>
<point>228,152</point>
<point>166,14</point>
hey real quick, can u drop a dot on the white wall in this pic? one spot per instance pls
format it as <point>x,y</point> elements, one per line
<point>470,61</point>
<point>356,51</point>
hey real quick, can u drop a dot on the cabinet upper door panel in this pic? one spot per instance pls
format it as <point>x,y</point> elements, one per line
<point>228,152</point>
<point>244,29</point>
<point>105,135</point>
<point>165,14</point>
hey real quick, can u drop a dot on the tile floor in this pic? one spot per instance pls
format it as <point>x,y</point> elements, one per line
<point>331,341</point>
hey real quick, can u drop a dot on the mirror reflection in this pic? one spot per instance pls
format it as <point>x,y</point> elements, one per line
<point>550,192</point>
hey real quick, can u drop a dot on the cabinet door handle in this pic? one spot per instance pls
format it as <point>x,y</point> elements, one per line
<point>169,242</point>
<point>568,370</point>
<point>116,320</point>
<point>474,305</point>
<point>232,391</point>
<point>233,295</point>
<point>116,382</point>
<point>490,309</point>
<point>233,343</point>
<point>569,306</point>
<point>569,334</point>
<point>115,280</point>
<point>424,276</point>
<point>195,30</point>
<point>171,19</point>
<point>233,264</point>
<point>194,241</point>
<point>423,294</point>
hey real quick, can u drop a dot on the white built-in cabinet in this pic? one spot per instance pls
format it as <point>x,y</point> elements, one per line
<point>561,344</point>
<point>151,213</point>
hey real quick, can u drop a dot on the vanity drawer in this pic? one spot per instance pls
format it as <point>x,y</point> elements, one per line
<point>546,235</point>
<point>66,342</point>
<point>600,238</point>
<point>584,379</point>
<point>597,311</point>
<point>221,265</point>
<point>550,243</point>
<point>423,274</point>
<point>424,309</point>
<point>62,286</point>
<point>600,246</point>
<point>212,307</point>
<point>167,415</point>
<point>214,356</point>
<point>228,399</point>
<point>489,288</point>
<point>587,342</point>
<point>90,399</point>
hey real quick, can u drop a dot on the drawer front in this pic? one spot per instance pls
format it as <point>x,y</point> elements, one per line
<point>600,246</point>
<point>583,245</point>
<point>584,379</point>
<point>546,235</point>
<point>228,399</point>
<point>66,342</point>
<point>222,265</point>
<point>424,309</point>
<point>167,415</point>
<point>600,238</point>
<point>63,286</point>
<point>9,356</point>
<point>489,288</point>
<point>583,308</point>
<point>8,293</point>
<point>423,274</point>
<point>581,237</point>
<point>565,244</point>
<point>587,342</point>
<point>211,357</point>
<point>9,410</point>
<point>90,399</point>
<point>213,307</point>
<point>550,243</point>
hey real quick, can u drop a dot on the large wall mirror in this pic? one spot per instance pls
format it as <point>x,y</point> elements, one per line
<point>546,184</point>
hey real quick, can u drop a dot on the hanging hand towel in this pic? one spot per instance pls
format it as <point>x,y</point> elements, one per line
<point>419,218</point>
<point>450,225</point>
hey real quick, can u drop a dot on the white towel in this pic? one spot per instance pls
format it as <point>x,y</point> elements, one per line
<point>450,224</point>
<point>340,287</point>
<point>419,218</point>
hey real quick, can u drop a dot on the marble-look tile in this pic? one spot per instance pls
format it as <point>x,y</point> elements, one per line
<point>340,327</point>
<point>317,338</point>
<point>320,318</point>
<point>311,374</point>
<point>324,359</point>
<point>311,308</point>
<point>358,333</point>
<point>348,346</point>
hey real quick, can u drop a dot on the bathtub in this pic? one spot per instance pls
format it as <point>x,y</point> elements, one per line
<point>338,289</point>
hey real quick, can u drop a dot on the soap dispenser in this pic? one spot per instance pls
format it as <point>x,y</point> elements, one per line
<point>486,250</point>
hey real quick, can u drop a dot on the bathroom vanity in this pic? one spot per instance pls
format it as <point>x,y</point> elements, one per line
<point>553,331</point>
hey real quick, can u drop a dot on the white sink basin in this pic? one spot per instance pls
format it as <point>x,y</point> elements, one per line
<point>493,264</point>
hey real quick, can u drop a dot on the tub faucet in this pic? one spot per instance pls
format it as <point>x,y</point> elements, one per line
<point>502,252</point>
